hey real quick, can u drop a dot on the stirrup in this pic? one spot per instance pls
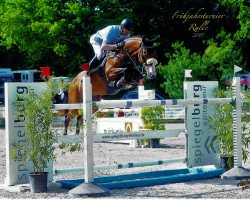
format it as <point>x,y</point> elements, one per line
<point>121,82</point>
<point>117,84</point>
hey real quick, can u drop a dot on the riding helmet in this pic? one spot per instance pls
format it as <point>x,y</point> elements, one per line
<point>128,24</point>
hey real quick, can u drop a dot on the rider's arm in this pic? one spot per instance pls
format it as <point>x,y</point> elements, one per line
<point>106,46</point>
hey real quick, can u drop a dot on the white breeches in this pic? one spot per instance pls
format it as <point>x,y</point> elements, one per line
<point>96,46</point>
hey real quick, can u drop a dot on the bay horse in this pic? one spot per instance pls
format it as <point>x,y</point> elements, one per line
<point>135,61</point>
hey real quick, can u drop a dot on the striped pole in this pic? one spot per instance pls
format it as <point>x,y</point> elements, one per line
<point>123,166</point>
<point>237,123</point>
<point>237,172</point>
<point>141,103</point>
<point>134,104</point>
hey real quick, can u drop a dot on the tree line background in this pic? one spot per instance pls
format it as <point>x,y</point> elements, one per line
<point>35,33</point>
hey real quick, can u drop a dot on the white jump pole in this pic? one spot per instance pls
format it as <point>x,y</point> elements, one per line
<point>88,187</point>
<point>237,172</point>
<point>187,74</point>
<point>88,131</point>
<point>141,103</point>
<point>237,135</point>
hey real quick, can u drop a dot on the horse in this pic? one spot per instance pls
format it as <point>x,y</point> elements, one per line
<point>128,65</point>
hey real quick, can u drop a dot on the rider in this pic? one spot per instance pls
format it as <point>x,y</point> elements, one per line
<point>109,38</point>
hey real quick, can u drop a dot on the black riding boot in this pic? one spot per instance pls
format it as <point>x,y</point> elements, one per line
<point>94,63</point>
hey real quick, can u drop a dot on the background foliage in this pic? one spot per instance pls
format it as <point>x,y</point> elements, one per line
<point>34,33</point>
<point>150,117</point>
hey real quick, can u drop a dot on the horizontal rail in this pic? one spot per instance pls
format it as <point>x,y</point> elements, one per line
<point>125,104</point>
<point>122,166</point>
<point>118,110</point>
<point>107,137</point>
<point>138,135</point>
<point>141,103</point>
<point>67,106</point>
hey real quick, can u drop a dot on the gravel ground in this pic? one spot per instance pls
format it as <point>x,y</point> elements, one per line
<point>109,153</point>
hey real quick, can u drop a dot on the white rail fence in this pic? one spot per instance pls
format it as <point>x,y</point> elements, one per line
<point>88,137</point>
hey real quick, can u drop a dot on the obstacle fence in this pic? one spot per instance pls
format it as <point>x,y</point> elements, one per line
<point>134,135</point>
<point>115,135</point>
<point>89,138</point>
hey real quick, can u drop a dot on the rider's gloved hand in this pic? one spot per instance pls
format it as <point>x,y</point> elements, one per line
<point>120,45</point>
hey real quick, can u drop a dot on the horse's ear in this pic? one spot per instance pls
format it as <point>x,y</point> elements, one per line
<point>154,40</point>
<point>143,39</point>
<point>148,42</point>
<point>151,41</point>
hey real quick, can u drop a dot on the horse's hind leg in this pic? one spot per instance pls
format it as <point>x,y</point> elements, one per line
<point>78,124</point>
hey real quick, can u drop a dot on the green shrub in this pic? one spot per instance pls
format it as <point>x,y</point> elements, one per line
<point>222,125</point>
<point>40,139</point>
<point>152,116</point>
<point>152,119</point>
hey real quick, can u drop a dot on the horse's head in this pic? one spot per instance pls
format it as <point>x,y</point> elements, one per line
<point>143,53</point>
<point>146,57</point>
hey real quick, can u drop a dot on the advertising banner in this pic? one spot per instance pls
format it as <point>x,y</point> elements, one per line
<point>201,149</point>
<point>17,169</point>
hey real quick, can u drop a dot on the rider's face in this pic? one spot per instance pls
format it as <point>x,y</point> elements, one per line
<point>125,31</point>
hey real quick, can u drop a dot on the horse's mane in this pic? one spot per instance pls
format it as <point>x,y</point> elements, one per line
<point>134,38</point>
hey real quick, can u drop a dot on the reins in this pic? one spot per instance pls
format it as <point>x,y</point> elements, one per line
<point>130,58</point>
<point>143,59</point>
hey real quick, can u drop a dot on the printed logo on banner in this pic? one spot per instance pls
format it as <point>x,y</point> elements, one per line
<point>17,170</point>
<point>128,126</point>
<point>201,149</point>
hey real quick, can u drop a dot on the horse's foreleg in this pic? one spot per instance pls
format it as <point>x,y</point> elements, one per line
<point>66,123</point>
<point>78,124</point>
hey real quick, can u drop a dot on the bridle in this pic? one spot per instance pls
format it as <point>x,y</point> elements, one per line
<point>144,51</point>
<point>132,61</point>
<point>141,68</point>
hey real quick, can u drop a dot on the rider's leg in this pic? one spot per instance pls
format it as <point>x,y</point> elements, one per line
<point>94,63</point>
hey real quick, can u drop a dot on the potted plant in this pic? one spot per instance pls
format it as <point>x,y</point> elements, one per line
<point>40,139</point>
<point>151,117</point>
<point>222,124</point>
